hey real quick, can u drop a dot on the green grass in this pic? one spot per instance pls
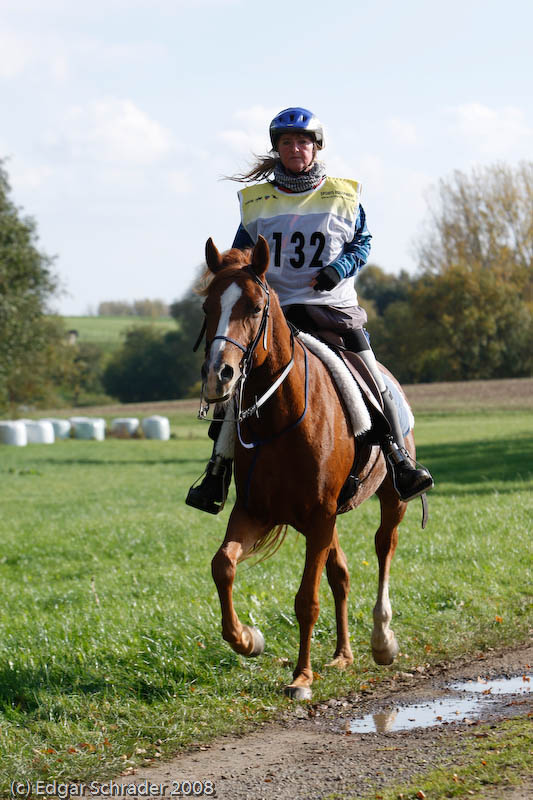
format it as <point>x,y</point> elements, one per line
<point>109,332</point>
<point>495,756</point>
<point>110,625</point>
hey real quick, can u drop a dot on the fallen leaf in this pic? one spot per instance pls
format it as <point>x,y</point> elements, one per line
<point>420,794</point>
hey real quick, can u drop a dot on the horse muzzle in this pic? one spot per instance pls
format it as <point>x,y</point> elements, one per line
<point>218,381</point>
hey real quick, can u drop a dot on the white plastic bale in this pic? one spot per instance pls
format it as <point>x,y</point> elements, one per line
<point>125,426</point>
<point>61,427</point>
<point>88,428</point>
<point>156,427</point>
<point>13,432</point>
<point>40,432</point>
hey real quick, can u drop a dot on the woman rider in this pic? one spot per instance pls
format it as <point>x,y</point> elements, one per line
<point>316,230</point>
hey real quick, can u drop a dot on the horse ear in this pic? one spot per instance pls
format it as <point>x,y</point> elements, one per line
<point>212,256</point>
<point>261,256</point>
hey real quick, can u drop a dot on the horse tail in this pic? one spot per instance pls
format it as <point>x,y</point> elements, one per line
<point>268,544</point>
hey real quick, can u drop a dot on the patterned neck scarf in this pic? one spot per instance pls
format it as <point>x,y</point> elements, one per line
<point>299,183</point>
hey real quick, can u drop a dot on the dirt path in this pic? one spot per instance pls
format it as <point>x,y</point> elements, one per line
<point>310,753</point>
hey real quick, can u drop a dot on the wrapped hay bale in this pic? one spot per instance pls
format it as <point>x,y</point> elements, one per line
<point>40,431</point>
<point>125,427</point>
<point>14,433</point>
<point>61,427</point>
<point>156,427</point>
<point>88,428</point>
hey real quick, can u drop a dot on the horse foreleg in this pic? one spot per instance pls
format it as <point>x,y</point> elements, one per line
<point>307,607</point>
<point>339,581</point>
<point>241,535</point>
<point>384,644</point>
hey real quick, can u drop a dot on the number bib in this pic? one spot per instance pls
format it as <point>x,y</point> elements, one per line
<point>305,232</point>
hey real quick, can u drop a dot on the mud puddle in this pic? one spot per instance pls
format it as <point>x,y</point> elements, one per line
<point>464,702</point>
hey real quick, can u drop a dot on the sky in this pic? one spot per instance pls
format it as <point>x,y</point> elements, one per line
<point>120,118</point>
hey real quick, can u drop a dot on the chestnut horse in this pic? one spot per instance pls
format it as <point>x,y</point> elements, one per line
<point>292,457</point>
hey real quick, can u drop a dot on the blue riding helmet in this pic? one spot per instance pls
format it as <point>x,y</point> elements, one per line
<point>292,120</point>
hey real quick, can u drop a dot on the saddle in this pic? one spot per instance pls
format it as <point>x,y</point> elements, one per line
<point>368,435</point>
<point>365,381</point>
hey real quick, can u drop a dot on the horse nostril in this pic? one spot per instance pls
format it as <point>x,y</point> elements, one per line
<point>226,373</point>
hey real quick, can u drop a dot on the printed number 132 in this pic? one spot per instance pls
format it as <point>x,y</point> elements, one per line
<point>317,240</point>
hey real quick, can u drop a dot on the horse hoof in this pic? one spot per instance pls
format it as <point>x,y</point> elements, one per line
<point>386,655</point>
<point>258,641</point>
<point>299,692</point>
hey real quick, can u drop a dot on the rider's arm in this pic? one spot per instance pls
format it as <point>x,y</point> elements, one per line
<point>355,253</point>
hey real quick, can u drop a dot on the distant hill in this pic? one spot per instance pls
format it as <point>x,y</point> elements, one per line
<point>108,332</point>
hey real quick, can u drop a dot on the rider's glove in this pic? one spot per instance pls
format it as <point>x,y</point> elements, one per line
<point>326,279</point>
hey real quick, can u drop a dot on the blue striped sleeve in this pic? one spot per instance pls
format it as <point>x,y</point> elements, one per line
<point>355,253</point>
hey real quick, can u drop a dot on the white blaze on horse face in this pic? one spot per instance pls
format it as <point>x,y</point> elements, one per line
<point>228,299</point>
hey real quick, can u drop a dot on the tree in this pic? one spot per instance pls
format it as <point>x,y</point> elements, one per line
<point>31,346</point>
<point>382,288</point>
<point>468,314</point>
<point>484,219</point>
<point>158,366</point>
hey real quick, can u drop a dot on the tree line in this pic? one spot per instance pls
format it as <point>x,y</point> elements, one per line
<point>138,308</point>
<point>465,314</point>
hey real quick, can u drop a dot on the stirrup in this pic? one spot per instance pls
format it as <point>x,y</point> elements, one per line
<point>210,494</point>
<point>409,478</point>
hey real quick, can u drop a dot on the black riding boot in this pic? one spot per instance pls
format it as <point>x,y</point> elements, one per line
<point>409,478</point>
<point>210,495</point>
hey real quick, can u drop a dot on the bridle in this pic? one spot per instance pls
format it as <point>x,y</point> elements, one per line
<point>247,358</point>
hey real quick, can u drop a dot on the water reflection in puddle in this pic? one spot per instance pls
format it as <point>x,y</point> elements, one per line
<point>520,685</point>
<point>456,708</point>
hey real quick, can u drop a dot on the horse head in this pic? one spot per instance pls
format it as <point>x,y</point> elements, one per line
<point>236,309</point>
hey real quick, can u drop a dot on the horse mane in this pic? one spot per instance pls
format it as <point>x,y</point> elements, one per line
<point>230,258</point>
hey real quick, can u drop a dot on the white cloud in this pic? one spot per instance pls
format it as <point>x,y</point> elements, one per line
<point>15,54</point>
<point>403,131</point>
<point>113,130</point>
<point>251,132</point>
<point>179,181</point>
<point>495,132</point>
<point>29,177</point>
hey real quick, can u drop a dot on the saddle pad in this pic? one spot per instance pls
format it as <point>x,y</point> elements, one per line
<point>348,388</point>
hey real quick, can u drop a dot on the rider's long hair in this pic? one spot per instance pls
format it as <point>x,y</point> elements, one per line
<point>262,168</point>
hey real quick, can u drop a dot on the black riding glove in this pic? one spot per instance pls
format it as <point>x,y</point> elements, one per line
<point>326,279</point>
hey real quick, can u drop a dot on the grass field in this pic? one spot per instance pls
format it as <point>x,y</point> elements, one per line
<point>110,645</point>
<point>109,332</point>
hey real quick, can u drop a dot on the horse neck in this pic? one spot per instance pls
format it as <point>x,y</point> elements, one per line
<point>280,351</point>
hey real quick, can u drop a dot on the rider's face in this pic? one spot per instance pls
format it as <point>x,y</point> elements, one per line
<point>296,151</point>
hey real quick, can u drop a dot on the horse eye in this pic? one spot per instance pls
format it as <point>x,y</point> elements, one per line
<point>257,309</point>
